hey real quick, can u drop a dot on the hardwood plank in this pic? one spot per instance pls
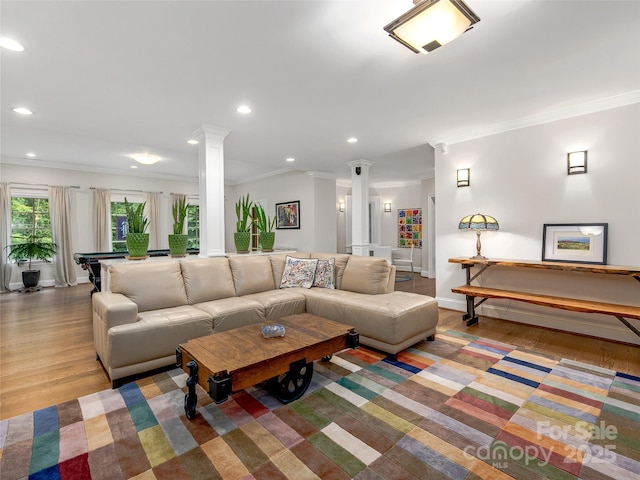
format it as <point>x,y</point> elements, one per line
<point>572,304</point>
<point>565,266</point>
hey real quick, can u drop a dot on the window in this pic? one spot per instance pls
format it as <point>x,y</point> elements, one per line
<point>119,225</point>
<point>30,216</point>
<point>193,226</point>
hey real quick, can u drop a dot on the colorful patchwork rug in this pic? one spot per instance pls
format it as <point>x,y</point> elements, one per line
<point>460,407</point>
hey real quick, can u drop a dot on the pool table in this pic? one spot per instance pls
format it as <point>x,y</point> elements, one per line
<point>91,262</point>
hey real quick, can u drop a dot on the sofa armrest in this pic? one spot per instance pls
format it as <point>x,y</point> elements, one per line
<point>114,309</point>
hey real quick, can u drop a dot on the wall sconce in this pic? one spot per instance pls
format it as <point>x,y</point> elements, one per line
<point>577,162</point>
<point>464,177</point>
<point>341,206</point>
<point>387,207</point>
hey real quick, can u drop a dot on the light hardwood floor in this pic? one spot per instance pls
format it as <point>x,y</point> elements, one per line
<point>47,355</point>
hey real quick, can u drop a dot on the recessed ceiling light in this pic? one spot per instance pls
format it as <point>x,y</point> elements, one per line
<point>352,140</point>
<point>11,44</point>
<point>31,155</point>
<point>291,159</point>
<point>145,158</point>
<point>22,110</point>
<point>192,141</point>
<point>244,109</point>
<point>134,166</point>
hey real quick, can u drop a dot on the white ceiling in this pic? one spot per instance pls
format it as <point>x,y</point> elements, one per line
<point>107,79</point>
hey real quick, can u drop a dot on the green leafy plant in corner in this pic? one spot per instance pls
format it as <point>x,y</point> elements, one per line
<point>179,210</point>
<point>263,222</point>
<point>32,247</point>
<point>243,214</point>
<point>136,221</point>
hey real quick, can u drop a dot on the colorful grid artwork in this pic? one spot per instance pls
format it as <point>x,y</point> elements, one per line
<point>460,407</point>
<point>410,227</point>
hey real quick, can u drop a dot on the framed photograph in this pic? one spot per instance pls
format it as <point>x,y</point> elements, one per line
<point>288,215</point>
<point>575,243</point>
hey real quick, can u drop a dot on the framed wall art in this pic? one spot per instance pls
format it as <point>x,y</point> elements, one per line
<point>288,215</point>
<point>410,227</point>
<point>575,243</point>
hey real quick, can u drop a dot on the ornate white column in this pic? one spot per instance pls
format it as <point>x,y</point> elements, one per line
<point>211,178</point>
<point>360,210</point>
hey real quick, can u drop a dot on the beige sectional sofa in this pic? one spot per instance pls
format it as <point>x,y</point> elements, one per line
<point>154,306</point>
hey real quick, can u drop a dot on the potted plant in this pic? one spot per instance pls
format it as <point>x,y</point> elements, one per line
<point>137,239</point>
<point>242,236</point>
<point>33,246</point>
<point>178,241</point>
<point>265,226</point>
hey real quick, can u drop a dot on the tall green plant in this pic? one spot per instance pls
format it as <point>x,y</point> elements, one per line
<point>136,221</point>
<point>32,247</point>
<point>179,210</point>
<point>263,222</point>
<point>243,214</point>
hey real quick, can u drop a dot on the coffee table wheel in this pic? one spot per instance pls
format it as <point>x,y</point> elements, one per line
<point>327,358</point>
<point>291,385</point>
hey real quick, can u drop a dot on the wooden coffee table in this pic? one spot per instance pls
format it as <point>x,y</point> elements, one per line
<point>226,362</point>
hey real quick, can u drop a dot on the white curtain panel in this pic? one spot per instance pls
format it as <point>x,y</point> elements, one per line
<point>5,235</point>
<point>60,214</point>
<point>102,219</point>
<point>153,214</point>
<point>175,198</point>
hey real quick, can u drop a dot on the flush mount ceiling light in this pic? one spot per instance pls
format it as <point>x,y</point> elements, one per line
<point>290,159</point>
<point>243,109</point>
<point>145,158</point>
<point>31,155</point>
<point>352,140</point>
<point>192,141</point>
<point>431,24</point>
<point>22,111</point>
<point>11,44</point>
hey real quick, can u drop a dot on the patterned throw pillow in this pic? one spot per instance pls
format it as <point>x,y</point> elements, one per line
<point>325,274</point>
<point>298,272</point>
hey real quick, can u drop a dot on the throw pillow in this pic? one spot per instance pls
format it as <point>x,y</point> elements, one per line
<point>325,272</point>
<point>298,272</point>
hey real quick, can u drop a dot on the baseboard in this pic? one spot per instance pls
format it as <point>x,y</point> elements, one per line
<point>44,283</point>
<point>590,324</point>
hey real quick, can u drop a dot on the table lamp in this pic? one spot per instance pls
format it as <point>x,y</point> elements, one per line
<point>478,222</point>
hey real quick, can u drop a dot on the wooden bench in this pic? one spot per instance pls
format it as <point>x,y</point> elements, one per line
<point>621,312</point>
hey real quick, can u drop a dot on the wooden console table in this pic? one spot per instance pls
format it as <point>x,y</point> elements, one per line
<point>621,312</point>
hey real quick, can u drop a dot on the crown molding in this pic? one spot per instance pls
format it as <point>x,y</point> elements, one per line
<point>329,176</point>
<point>260,177</point>
<point>85,168</point>
<point>594,106</point>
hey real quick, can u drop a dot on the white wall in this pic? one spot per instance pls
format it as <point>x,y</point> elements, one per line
<point>82,203</point>
<point>318,203</point>
<point>520,177</point>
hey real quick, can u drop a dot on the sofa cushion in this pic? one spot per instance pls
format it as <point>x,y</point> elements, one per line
<point>325,274</point>
<point>298,272</point>
<point>341,260</point>
<point>280,303</point>
<point>251,274</point>
<point>150,284</point>
<point>207,279</point>
<point>390,317</point>
<point>155,334</point>
<point>233,312</point>
<point>365,275</point>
